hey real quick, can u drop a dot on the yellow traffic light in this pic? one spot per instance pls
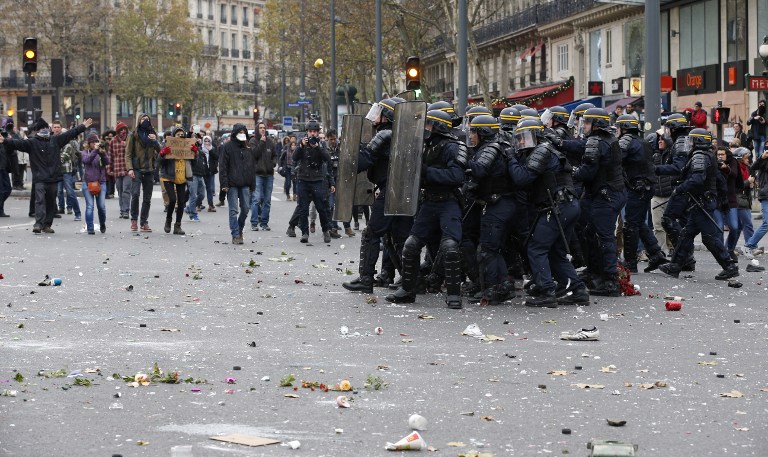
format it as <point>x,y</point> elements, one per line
<point>413,72</point>
<point>30,54</point>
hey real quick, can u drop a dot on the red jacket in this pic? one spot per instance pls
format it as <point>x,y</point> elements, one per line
<point>699,119</point>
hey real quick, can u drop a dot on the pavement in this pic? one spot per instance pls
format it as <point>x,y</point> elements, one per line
<point>233,321</point>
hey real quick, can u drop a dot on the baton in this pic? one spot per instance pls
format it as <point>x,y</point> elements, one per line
<point>660,204</point>
<point>701,207</point>
<point>556,212</point>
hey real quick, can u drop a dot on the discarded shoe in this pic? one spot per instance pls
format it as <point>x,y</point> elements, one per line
<point>754,268</point>
<point>585,334</point>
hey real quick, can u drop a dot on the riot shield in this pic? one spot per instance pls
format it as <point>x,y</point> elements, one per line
<point>408,95</point>
<point>402,197</point>
<point>349,147</point>
<point>364,188</point>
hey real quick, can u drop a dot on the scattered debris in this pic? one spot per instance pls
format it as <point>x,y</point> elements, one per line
<point>247,440</point>
<point>732,394</point>
<point>287,380</point>
<point>557,372</point>
<point>417,422</point>
<point>342,402</point>
<point>616,422</point>
<point>412,442</point>
<point>588,386</point>
<point>585,334</point>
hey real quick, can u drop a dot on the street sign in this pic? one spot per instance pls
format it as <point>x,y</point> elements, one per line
<point>293,105</point>
<point>287,121</point>
<point>302,95</point>
<point>304,102</point>
<point>757,83</point>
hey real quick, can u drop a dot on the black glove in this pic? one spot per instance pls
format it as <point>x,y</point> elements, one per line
<point>553,137</point>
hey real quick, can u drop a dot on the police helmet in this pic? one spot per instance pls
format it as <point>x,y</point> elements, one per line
<point>388,107</point>
<point>676,121</point>
<point>529,113</point>
<point>313,125</point>
<point>485,125</point>
<point>701,139</point>
<point>526,133</point>
<point>578,112</point>
<point>599,118</point>
<point>440,121</point>
<point>442,106</point>
<point>627,122</point>
<point>477,111</point>
<point>508,118</point>
<point>559,114</point>
<point>519,107</point>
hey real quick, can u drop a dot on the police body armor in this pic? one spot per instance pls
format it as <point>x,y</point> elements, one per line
<point>558,184</point>
<point>609,173</point>
<point>487,155</point>
<point>380,145</point>
<point>563,132</point>
<point>699,163</point>
<point>434,157</point>
<point>663,184</point>
<point>639,171</point>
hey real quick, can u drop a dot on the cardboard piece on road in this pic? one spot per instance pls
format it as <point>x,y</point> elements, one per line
<point>239,438</point>
<point>180,147</point>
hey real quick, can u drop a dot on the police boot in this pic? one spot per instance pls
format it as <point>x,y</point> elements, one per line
<point>546,299</point>
<point>690,264</point>
<point>453,276</point>
<point>730,271</point>
<point>579,297</point>
<point>631,240</point>
<point>470,288</point>
<point>401,296</point>
<point>656,261</point>
<point>606,286</point>
<point>671,269</point>
<point>360,284</point>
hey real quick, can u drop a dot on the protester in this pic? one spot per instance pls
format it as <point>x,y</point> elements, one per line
<point>266,160</point>
<point>116,169</point>
<point>140,155</point>
<point>212,159</point>
<point>237,177</point>
<point>95,162</point>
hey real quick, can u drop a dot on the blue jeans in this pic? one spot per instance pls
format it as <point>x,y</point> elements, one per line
<point>759,144</point>
<point>210,187</point>
<point>745,224</point>
<point>261,200</point>
<point>762,230</point>
<point>194,194</point>
<point>68,186</point>
<point>100,204</point>
<point>237,221</point>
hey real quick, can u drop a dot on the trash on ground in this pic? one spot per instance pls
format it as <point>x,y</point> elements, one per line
<point>342,402</point>
<point>616,422</point>
<point>247,440</point>
<point>412,442</point>
<point>588,386</point>
<point>585,334</point>
<point>603,448</point>
<point>295,444</point>
<point>732,394</point>
<point>473,330</point>
<point>417,422</point>
<point>673,305</point>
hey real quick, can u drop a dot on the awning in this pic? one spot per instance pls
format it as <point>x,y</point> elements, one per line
<point>533,91</point>
<point>623,102</point>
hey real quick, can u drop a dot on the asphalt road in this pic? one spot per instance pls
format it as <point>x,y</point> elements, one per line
<point>198,309</point>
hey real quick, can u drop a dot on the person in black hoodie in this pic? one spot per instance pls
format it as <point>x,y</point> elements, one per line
<point>237,177</point>
<point>266,160</point>
<point>45,160</point>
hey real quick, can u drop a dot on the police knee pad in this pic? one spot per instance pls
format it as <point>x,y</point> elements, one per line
<point>449,244</point>
<point>412,244</point>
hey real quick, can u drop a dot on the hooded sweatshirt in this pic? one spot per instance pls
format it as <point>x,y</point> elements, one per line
<point>237,162</point>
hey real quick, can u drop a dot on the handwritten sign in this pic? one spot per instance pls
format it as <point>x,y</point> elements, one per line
<point>180,148</point>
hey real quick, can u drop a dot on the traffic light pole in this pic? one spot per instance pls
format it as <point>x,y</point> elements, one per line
<point>30,107</point>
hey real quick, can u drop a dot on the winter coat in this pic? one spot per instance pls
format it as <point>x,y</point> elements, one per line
<point>237,163</point>
<point>760,170</point>
<point>94,165</point>
<point>266,155</point>
<point>45,153</point>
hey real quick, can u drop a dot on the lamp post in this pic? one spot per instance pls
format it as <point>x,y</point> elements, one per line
<point>763,52</point>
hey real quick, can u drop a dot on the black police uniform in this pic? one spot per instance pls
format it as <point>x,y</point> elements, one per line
<point>495,196</point>
<point>438,217</point>
<point>374,159</point>
<point>699,189</point>
<point>675,216</point>
<point>546,173</point>
<point>603,198</point>
<point>639,173</point>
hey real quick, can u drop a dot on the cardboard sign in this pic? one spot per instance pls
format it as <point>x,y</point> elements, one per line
<point>247,440</point>
<point>180,147</point>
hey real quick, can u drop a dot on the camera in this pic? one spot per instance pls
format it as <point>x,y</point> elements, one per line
<point>720,161</point>
<point>313,140</point>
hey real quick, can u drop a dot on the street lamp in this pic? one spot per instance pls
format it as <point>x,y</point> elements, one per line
<point>763,52</point>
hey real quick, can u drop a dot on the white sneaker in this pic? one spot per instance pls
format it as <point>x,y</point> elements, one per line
<point>758,251</point>
<point>585,334</point>
<point>746,252</point>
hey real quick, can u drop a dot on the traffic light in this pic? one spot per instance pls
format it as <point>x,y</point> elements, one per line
<point>170,110</point>
<point>256,113</point>
<point>30,55</point>
<point>77,113</point>
<point>412,73</point>
<point>720,115</point>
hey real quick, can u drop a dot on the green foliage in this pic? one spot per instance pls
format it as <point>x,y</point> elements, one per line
<point>84,382</point>
<point>287,380</point>
<point>374,383</point>
<point>18,378</point>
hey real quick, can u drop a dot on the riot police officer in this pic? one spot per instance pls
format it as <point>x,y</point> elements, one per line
<point>639,175</point>
<point>494,194</point>
<point>374,158</point>
<point>604,196</point>
<point>439,216</point>
<point>508,119</point>
<point>557,120</point>
<point>676,127</point>
<point>699,187</point>
<point>546,174</point>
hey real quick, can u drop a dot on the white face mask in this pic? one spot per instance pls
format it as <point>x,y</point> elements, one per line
<point>240,137</point>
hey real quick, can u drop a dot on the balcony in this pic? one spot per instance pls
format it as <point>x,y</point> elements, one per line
<point>236,53</point>
<point>224,52</point>
<point>518,22</point>
<point>210,50</point>
<point>556,11</point>
<point>246,54</point>
<point>234,21</point>
<point>223,19</point>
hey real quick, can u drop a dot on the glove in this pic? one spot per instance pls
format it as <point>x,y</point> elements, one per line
<point>553,137</point>
<point>193,148</point>
<point>165,151</point>
<point>574,170</point>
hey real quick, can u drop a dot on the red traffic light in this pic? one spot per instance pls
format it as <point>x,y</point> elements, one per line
<point>720,115</point>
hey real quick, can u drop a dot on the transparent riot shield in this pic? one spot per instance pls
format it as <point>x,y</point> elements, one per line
<point>402,197</point>
<point>349,147</point>
<point>364,188</point>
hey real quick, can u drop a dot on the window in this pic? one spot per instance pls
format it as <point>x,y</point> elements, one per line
<point>223,43</point>
<point>234,15</point>
<point>562,57</point>
<point>223,72</point>
<point>223,18</point>
<point>762,26</point>
<point>234,41</point>
<point>210,9</point>
<point>698,33</point>
<point>199,8</point>
<point>234,74</point>
<point>608,47</point>
<point>736,30</point>
<point>210,37</point>
<point>245,15</point>
<point>665,42</point>
<point>245,43</point>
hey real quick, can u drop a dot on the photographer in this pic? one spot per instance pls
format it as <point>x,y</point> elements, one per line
<point>757,129</point>
<point>95,181</point>
<point>310,155</point>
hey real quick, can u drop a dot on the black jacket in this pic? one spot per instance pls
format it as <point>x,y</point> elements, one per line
<point>237,167</point>
<point>213,161</point>
<point>266,155</point>
<point>760,170</point>
<point>310,162</point>
<point>45,154</point>
<point>757,129</point>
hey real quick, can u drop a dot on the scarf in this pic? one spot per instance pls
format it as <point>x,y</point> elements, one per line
<point>744,171</point>
<point>145,128</point>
